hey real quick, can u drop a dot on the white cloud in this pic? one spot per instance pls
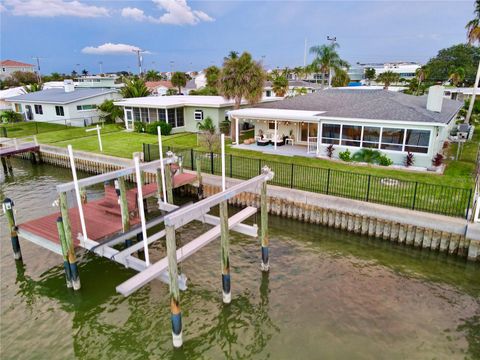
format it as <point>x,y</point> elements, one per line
<point>52,8</point>
<point>2,8</point>
<point>111,49</point>
<point>176,12</point>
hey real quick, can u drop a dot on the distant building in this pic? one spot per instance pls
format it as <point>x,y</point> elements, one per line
<point>404,69</point>
<point>7,67</point>
<point>67,105</point>
<point>293,88</point>
<point>159,88</point>
<point>458,93</point>
<point>97,81</point>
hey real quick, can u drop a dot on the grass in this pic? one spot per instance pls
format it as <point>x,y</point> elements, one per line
<point>22,129</point>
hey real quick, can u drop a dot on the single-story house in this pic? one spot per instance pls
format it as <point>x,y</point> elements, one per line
<point>293,88</point>
<point>159,88</point>
<point>392,122</point>
<point>183,112</point>
<point>9,93</point>
<point>67,105</point>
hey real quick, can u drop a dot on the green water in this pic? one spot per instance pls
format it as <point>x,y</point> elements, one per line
<point>329,295</point>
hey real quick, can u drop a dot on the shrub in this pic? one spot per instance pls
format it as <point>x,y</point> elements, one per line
<point>409,159</point>
<point>165,128</point>
<point>384,160</point>
<point>139,126</point>
<point>437,160</point>
<point>330,149</point>
<point>367,155</point>
<point>10,116</point>
<point>345,155</point>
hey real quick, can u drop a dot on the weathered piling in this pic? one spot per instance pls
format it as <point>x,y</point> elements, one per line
<point>168,183</point>
<point>199,178</point>
<point>265,265</point>
<point>72,259</point>
<point>8,210</point>
<point>225,252</point>
<point>4,165</point>
<point>64,246</point>
<point>176,314</point>
<point>122,199</point>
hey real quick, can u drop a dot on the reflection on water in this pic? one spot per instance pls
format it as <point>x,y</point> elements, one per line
<point>329,294</point>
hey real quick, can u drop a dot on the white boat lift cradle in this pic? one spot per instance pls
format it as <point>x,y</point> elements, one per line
<point>165,269</point>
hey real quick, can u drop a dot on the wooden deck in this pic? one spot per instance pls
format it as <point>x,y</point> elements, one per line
<point>9,147</point>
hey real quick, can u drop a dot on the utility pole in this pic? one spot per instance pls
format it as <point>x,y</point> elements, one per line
<point>333,40</point>
<point>139,58</point>
<point>305,54</point>
<point>472,99</point>
<point>38,69</point>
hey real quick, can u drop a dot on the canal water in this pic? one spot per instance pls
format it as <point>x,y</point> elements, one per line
<point>329,295</point>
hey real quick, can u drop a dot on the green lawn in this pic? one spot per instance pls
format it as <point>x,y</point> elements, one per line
<point>22,129</point>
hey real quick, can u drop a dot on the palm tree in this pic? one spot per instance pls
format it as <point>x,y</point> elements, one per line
<point>369,74</point>
<point>152,75</point>
<point>301,91</point>
<point>74,73</point>
<point>232,55</point>
<point>299,72</point>
<point>134,88</point>
<point>421,74</point>
<point>110,112</point>
<point>208,133</point>
<point>387,78</point>
<point>84,72</point>
<point>211,74</point>
<point>32,88</point>
<point>241,78</point>
<point>280,85</point>
<point>457,76</point>
<point>326,60</point>
<point>179,79</point>
<point>340,78</point>
<point>473,26</point>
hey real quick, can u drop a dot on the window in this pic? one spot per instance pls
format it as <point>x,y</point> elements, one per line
<point>162,116</point>
<point>180,121</point>
<point>59,111</point>
<point>268,93</point>
<point>330,134</point>
<point>271,126</point>
<point>371,137</point>
<point>86,107</point>
<point>38,109</point>
<point>144,115</point>
<point>136,114</point>
<point>351,135</point>
<point>18,108</point>
<point>308,130</point>
<point>198,115</point>
<point>171,117</point>
<point>417,141</point>
<point>392,139</point>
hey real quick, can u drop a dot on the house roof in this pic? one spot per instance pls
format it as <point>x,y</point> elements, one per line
<point>8,93</point>
<point>176,100</point>
<point>59,96</point>
<point>154,84</point>
<point>14,63</point>
<point>297,83</point>
<point>369,104</point>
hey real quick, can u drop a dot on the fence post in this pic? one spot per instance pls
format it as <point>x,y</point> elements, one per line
<point>328,180</point>
<point>36,127</point>
<point>468,203</point>
<point>259,166</point>
<point>231,166</point>
<point>212,169</point>
<point>192,162</point>
<point>368,187</point>
<point>414,195</point>
<point>291,177</point>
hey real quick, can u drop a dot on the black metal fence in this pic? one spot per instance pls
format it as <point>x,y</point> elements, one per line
<point>439,199</point>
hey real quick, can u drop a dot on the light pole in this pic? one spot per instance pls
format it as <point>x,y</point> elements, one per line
<point>333,40</point>
<point>38,69</point>
<point>139,59</point>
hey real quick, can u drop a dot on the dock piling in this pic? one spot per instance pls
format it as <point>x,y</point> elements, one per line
<point>265,265</point>
<point>225,253</point>
<point>64,246</point>
<point>122,199</point>
<point>8,210</point>
<point>199,178</point>
<point>168,183</point>
<point>4,165</point>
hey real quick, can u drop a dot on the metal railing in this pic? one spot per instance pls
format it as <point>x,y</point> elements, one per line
<point>415,195</point>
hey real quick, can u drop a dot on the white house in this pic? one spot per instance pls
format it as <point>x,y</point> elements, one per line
<point>9,93</point>
<point>159,88</point>
<point>97,81</point>
<point>293,87</point>
<point>67,105</point>
<point>391,122</point>
<point>8,67</point>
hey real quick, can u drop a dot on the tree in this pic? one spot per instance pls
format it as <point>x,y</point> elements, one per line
<point>110,112</point>
<point>22,78</point>
<point>171,92</point>
<point>299,72</point>
<point>420,75</point>
<point>55,76</point>
<point>208,133</point>
<point>473,26</point>
<point>340,78</point>
<point>300,91</point>
<point>370,74</point>
<point>326,60</point>
<point>134,88</point>
<point>212,74</point>
<point>387,78</point>
<point>457,76</point>
<point>461,55</point>
<point>280,85</point>
<point>152,75</point>
<point>32,88</point>
<point>179,79</point>
<point>84,72</point>
<point>241,78</point>
<point>206,91</point>
<point>74,73</point>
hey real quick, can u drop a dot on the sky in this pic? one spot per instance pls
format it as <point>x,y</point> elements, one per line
<point>183,35</point>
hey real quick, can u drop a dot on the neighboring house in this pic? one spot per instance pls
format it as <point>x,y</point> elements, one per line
<point>7,67</point>
<point>293,85</point>
<point>191,85</point>
<point>392,122</point>
<point>405,69</point>
<point>9,93</point>
<point>97,81</point>
<point>76,107</point>
<point>460,94</point>
<point>159,88</point>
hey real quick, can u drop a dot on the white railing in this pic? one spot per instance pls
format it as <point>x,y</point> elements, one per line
<point>18,143</point>
<point>312,145</point>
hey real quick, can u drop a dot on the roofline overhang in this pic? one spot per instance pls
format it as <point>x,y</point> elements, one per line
<point>150,106</point>
<point>58,102</point>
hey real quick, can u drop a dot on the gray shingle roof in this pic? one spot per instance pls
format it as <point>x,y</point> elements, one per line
<point>369,104</point>
<point>59,96</point>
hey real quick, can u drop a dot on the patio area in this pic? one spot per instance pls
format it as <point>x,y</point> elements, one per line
<point>285,150</point>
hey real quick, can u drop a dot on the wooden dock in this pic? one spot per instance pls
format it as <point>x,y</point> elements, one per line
<point>9,147</point>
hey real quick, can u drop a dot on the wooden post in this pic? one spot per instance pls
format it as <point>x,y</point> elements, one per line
<point>83,195</point>
<point>8,210</point>
<point>159,184</point>
<point>199,178</point>
<point>168,183</point>
<point>176,314</point>
<point>4,165</point>
<point>264,223</point>
<point>122,200</point>
<point>72,259</point>
<point>9,165</point>
<point>225,252</point>
<point>63,243</point>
